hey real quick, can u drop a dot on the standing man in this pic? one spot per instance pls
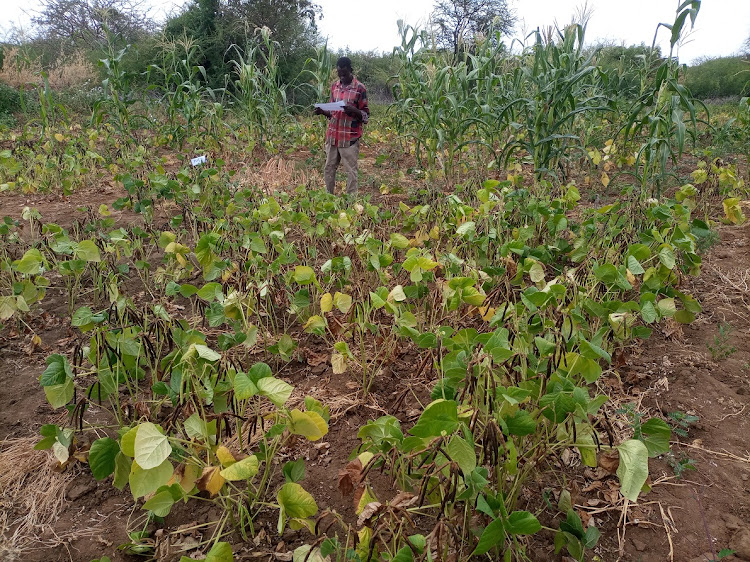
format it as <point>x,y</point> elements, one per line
<point>345,127</point>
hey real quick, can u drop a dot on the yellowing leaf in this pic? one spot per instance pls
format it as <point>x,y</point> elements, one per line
<point>315,325</point>
<point>326,303</point>
<point>366,498</point>
<point>605,179</point>
<point>241,470</point>
<point>733,211</point>
<point>487,312</point>
<point>419,239</point>
<point>276,390</point>
<point>87,250</point>
<point>536,272</point>
<point>303,275</point>
<point>185,475</point>
<point>399,241</point>
<point>397,294</point>
<point>225,456</point>
<point>296,502</point>
<point>144,481</point>
<point>211,480</point>
<point>59,137</point>
<point>127,443</point>
<point>310,425</point>
<point>61,452</point>
<point>151,446</point>
<point>338,362</point>
<point>342,302</point>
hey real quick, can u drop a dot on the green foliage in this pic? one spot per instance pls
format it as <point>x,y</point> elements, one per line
<point>76,24</point>
<point>665,113</point>
<point>118,97</point>
<point>498,254</point>
<point>559,88</point>
<point>627,69</point>
<point>512,298</point>
<point>219,29</point>
<point>445,107</point>
<point>721,348</point>
<point>10,103</point>
<point>375,70</point>
<point>719,78</point>
<point>259,93</point>
<point>189,103</point>
<point>680,422</point>
<point>680,464</point>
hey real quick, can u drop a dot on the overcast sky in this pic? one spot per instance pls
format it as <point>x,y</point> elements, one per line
<point>721,28</point>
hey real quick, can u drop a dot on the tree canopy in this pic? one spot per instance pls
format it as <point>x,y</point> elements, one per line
<point>219,26</point>
<point>81,23</point>
<point>457,22</point>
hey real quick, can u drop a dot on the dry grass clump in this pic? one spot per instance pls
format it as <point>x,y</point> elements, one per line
<point>31,497</point>
<point>278,174</point>
<point>19,71</point>
<point>69,72</point>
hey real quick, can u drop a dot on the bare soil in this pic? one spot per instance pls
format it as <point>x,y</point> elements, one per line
<point>708,509</point>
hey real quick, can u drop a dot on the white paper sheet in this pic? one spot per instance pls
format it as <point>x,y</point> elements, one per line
<point>333,106</point>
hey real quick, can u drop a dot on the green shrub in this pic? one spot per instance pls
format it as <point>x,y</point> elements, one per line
<point>719,78</point>
<point>10,103</point>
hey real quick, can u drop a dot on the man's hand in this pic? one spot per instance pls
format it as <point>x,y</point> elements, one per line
<point>352,111</point>
<point>319,111</point>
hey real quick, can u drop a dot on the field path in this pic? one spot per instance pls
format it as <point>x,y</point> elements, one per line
<point>708,509</point>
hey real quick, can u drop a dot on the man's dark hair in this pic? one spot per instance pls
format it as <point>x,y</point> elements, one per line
<point>344,62</point>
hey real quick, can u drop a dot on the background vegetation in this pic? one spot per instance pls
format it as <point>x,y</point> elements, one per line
<point>208,283</point>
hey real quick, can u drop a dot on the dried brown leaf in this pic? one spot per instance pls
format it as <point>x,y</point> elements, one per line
<point>404,499</point>
<point>210,481</point>
<point>610,460</point>
<point>371,510</point>
<point>350,477</point>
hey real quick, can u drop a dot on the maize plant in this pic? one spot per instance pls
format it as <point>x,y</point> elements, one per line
<point>318,72</point>
<point>445,106</point>
<point>118,93</point>
<point>661,112</point>
<point>185,97</point>
<point>557,88</point>
<point>258,91</point>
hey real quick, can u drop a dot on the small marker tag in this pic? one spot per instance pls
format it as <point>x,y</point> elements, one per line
<point>198,160</point>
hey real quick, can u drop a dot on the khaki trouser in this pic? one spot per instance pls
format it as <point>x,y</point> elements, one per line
<point>349,156</point>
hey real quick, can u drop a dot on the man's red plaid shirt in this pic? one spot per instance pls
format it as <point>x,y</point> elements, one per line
<point>342,129</point>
